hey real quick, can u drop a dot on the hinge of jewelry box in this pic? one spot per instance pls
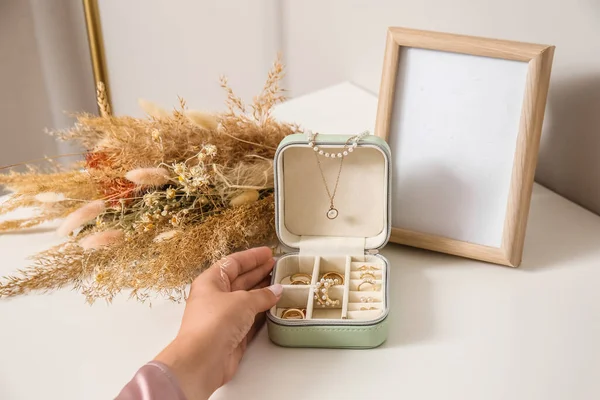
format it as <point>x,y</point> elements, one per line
<point>280,249</point>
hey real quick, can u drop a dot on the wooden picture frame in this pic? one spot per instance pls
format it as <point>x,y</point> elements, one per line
<point>403,106</point>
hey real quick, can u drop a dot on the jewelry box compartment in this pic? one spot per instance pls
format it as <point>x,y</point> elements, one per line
<point>330,289</point>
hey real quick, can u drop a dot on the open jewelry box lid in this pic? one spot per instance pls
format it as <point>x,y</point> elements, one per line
<point>362,198</point>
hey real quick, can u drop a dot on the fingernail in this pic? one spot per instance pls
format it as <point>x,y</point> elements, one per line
<point>277,289</point>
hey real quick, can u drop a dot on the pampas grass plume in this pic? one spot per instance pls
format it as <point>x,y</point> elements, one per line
<point>80,216</point>
<point>100,239</point>
<point>249,196</point>
<point>152,109</point>
<point>202,119</point>
<point>49,197</point>
<point>148,176</point>
<point>165,236</point>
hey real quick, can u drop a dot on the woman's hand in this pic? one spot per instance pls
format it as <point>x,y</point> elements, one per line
<point>224,310</point>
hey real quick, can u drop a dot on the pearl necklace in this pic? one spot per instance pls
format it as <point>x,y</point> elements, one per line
<point>349,146</point>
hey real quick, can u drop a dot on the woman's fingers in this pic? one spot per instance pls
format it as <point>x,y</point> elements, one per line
<point>245,261</point>
<point>225,271</point>
<point>261,300</point>
<point>251,278</point>
<point>262,284</point>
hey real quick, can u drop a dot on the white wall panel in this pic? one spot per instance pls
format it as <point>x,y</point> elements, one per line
<point>330,41</point>
<point>157,50</point>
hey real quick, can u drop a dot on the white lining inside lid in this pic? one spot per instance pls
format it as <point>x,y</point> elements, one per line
<point>361,196</point>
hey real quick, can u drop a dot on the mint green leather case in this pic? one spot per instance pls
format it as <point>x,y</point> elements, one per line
<point>341,336</point>
<point>342,333</point>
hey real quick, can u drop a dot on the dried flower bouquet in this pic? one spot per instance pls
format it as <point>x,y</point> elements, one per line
<point>155,200</point>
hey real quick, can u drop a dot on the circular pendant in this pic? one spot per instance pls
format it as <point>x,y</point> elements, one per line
<point>332,213</point>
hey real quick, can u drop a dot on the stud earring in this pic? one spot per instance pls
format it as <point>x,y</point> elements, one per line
<point>367,300</point>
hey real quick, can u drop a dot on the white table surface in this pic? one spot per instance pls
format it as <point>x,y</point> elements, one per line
<point>460,329</point>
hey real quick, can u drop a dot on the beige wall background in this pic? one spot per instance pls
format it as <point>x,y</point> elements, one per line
<point>159,50</point>
<point>24,105</point>
<point>44,74</point>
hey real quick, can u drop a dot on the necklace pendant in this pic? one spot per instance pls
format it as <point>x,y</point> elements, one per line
<point>332,213</point>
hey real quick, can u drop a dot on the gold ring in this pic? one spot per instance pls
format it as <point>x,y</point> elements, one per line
<point>368,268</point>
<point>296,281</point>
<point>363,274</point>
<point>367,309</point>
<point>367,281</point>
<point>293,313</point>
<point>337,278</point>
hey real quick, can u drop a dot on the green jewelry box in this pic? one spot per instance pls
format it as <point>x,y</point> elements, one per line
<point>333,214</point>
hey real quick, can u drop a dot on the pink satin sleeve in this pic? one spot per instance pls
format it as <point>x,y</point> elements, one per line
<point>153,381</point>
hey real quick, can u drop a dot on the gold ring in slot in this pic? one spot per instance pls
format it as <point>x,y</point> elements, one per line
<point>363,274</point>
<point>368,309</point>
<point>337,278</point>
<point>293,313</point>
<point>368,268</point>
<point>368,281</point>
<point>299,279</point>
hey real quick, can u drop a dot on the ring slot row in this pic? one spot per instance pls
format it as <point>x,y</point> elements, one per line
<point>362,306</point>
<point>357,274</point>
<point>371,261</point>
<point>367,287</point>
<point>364,315</point>
<point>356,296</point>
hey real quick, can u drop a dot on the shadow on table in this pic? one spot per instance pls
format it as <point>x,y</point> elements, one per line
<point>411,314</point>
<point>558,232</point>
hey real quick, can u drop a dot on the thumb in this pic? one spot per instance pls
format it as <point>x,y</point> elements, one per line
<point>263,299</point>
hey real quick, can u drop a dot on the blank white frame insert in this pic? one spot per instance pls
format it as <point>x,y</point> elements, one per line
<point>463,118</point>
